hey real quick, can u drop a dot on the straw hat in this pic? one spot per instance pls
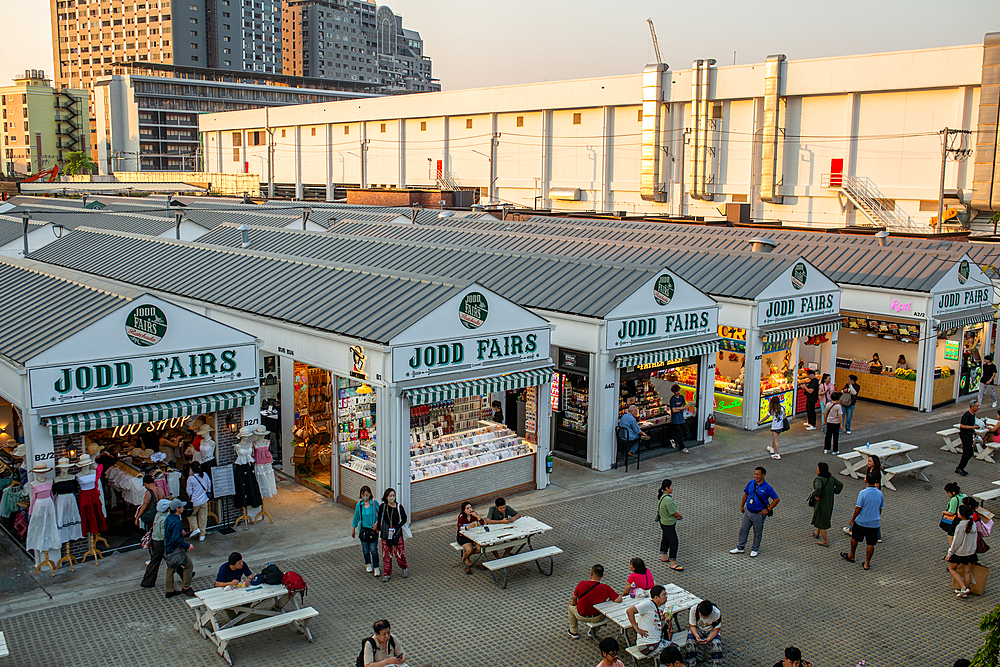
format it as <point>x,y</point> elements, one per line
<point>246,432</point>
<point>93,448</point>
<point>260,430</point>
<point>19,452</point>
<point>196,424</point>
<point>64,463</point>
<point>85,461</point>
<point>135,452</point>
<point>41,468</point>
<point>204,429</point>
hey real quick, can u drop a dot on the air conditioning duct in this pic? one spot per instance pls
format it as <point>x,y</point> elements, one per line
<point>652,98</point>
<point>700,87</point>
<point>769,154</point>
<point>565,194</point>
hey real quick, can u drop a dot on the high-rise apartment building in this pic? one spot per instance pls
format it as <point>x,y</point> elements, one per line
<point>353,40</point>
<point>244,35</point>
<point>40,123</point>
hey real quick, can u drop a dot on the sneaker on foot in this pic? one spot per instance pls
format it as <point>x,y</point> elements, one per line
<point>847,529</point>
<point>574,635</point>
<point>810,428</point>
<point>961,472</point>
<point>172,594</point>
<point>195,532</point>
<point>147,562</point>
<point>826,451</point>
<point>753,554</point>
<point>404,573</point>
<point>736,551</point>
<point>994,404</point>
<point>590,633</point>
<point>201,538</point>
<point>770,449</point>
<point>368,567</point>
<point>847,431</point>
<point>188,592</point>
<point>385,578</point>
<point>776,456</point>
<point>685,450</point>
<point>377,573</point>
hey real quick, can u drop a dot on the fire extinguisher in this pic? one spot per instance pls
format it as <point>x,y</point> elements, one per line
<point>548,463</point>
<point>710,426</point>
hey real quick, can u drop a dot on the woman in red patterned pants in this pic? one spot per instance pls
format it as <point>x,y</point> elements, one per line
<point>391,519</point>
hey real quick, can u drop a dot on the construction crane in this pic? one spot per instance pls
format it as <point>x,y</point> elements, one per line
<point>52,172</point>
<point>656,46</point>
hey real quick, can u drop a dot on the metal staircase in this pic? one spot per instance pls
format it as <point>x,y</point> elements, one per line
<point>867,198</point>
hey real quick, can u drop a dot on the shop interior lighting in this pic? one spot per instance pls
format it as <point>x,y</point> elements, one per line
<point>853,332</point>
<point>233,426</point>
<point>890,338</point>
<point>872,335</point>
<point>364,389</point>
<point>904,340</point>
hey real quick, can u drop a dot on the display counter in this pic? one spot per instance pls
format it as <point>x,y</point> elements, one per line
<point>883,388</point>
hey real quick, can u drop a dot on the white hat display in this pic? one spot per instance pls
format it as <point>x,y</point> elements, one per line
<point>146,453</point>
<point>260,430</point>
<point>204,429</point>
<point>85,461</point>
<point>196,424</point>
<point>64,463</point>
<point>41,468</point>
<point>94,448</point>
<point>246,432</point>
<point>135,452</point>
<point>19,451</point>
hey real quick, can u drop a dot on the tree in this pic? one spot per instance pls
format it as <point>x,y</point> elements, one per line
<point>988,654</point>
<point>78,162</point>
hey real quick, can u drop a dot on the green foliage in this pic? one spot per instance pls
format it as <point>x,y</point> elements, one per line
<point>988,654</point>
<point>78,162</point>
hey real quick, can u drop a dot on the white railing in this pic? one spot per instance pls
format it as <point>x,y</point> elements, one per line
<point>864,194</point>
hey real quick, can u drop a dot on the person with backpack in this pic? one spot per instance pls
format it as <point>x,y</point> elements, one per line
<point>391,521</point>
<point>849,399</point>
<point>832,419</point>
<point>381,649</point>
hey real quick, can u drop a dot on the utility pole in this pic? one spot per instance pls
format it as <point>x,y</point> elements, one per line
<point>364,161</point>
<point>961,153</point>
<point>25,216</point>
<point>270,155</point>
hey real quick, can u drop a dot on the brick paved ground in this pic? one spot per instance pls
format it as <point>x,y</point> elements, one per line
<point>903,612</point>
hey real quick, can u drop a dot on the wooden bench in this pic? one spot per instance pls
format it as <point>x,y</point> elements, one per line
<point>298,617</point>
<point>847,457</point>
<point>983,496</point>
<point>456,546</point>
<point>679,638</point>
<point>518,558</point>
<point>984,450</point>
<point>913,467</point>
<point>952,443</point>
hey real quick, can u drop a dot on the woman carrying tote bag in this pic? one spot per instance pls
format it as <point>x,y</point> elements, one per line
<point>391,525</point>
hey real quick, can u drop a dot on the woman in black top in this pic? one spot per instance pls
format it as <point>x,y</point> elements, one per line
<point>497,412</point>
<point>391,519</point>
<point>875,365</point>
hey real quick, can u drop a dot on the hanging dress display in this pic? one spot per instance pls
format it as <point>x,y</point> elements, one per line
<point>247,489</point>
<point>43,533</point>
<point>67,511</point>
<point>263,470</point>
<point>91,515</point>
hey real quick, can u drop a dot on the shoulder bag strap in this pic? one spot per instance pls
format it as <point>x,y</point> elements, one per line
<point>589,590</point>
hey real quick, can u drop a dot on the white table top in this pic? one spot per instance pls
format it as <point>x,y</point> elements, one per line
<point>500,533</point>
<point>678,599</point>
<point>217,599</point>
<point>886,447</point>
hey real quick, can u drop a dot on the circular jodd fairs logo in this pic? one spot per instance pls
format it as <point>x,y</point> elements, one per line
<point>473,310</point>
<point>963,272</point>
<point>146,325</point>
<point>799,276</point>
<point>663,290</point>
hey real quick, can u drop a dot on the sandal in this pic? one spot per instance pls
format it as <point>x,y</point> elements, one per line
<point>468,570</point>
<point>867,566</point>
<point>843,554</point>
<point>822,544</point>
<point>677,568</point>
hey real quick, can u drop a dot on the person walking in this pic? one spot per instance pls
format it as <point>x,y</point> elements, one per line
<point>391,520</point>
<point>874,470</point>
<point>988,379</point>
<point>678,427</point>
<point>199,485</point>
<point>866,521</point>
<point>962,552</point>
<point>777,413</point>
<point>852,389</point>
<point>759,499</point>
<point>811,389</point>
<point>966,430</point>
<point>825,486</point>
<point>950,517</point>
<point>173,542</point>
<point>365,518</point>
<point>156,544</point>
<point>832,419</point>
<point>668,516</point>
<point>826,389</point>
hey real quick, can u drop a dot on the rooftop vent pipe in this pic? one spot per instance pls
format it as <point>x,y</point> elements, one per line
<point>305,216</point>
<point>761,244</point>
<point>244,235</point>
<point>882,236</point>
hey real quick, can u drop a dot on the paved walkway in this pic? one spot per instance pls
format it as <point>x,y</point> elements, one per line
<point>902,612</point>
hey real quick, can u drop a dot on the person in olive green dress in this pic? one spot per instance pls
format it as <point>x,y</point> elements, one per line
<point>825,486</point>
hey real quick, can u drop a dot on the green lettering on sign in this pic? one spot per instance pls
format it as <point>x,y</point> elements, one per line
<point>663,289</point>
<point>473,310</point>
<point>146,325</point>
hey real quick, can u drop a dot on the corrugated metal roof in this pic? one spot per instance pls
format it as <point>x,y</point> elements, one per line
<point>31,324</point>
<point>533,278</point>
<point>875,266</point>
<point>152,223</point>
<point>11,228</point>
<point>209,218</point>
<point>58,188</point>
<point>346,299</point>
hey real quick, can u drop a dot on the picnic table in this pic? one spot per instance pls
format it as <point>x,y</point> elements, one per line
<point>500,537</point>
<point>886,450</point>
<point>679,601</point>
<point>266,603</point>
<point>983,450</point>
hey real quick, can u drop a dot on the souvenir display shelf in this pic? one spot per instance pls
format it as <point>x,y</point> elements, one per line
<point>356,429</point>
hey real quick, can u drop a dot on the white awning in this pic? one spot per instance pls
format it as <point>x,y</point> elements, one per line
<point>656,356</point>
<point>802,332</point>
<point>968,320</point>
<point>479,387</point>
<point>82,422</point>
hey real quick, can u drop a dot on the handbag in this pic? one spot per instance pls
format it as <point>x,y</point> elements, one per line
<point>785,426</point>
<point>150,513</point>
<point>176,558</point>
<point>981,546</point>
<point>407,533</point>
<point>812,496</point>
<point>147,540</point>
<point>367,534</point>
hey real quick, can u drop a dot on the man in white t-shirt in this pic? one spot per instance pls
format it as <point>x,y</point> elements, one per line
<point>648,619</point>
<point>703,640</point>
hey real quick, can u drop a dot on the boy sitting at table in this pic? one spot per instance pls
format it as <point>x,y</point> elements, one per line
<point>501,512</point>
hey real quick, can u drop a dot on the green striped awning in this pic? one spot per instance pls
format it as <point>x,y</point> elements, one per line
<point>656,356</point>
<point>83,422</point>
<point>947,325</point>
<point>802,332</point>
<point>452,390</point>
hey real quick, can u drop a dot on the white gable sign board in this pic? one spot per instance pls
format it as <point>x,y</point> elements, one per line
<point>800,294</point>
<point>964,287</point>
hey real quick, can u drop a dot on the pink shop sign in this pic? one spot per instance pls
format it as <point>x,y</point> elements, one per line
<point>900,307</point>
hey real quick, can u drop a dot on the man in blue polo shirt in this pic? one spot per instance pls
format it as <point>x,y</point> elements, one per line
<point>866,520</point>
<point>758,501</point>
<point>232,571</point>
<point>632,433</point>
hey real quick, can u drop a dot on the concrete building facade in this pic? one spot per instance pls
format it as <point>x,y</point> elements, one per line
<point>853,140</point>
<point>40,123</point>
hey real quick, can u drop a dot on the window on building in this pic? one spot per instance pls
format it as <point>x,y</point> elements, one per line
<point>639,116</point>
<point>228,63</point>
<point>314,131</point>
<point>468,123</point>
<point>423,126</point>
<point>716,111</point>
<point>236,154</point>
<point>577,118</point>
<point>282,134</point>
<point>520,121</point>
<point>347,129</point>
<point>237,139</point>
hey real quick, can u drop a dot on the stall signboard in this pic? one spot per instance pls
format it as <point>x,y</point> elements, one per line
<point>729,404</point>
<point>146,347</point>
<point>476,330</point>
<point>786,400</point>
<point>951,350</point>
<point>800,294</point>
<point>665,309</point>
<point>964,287</point>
